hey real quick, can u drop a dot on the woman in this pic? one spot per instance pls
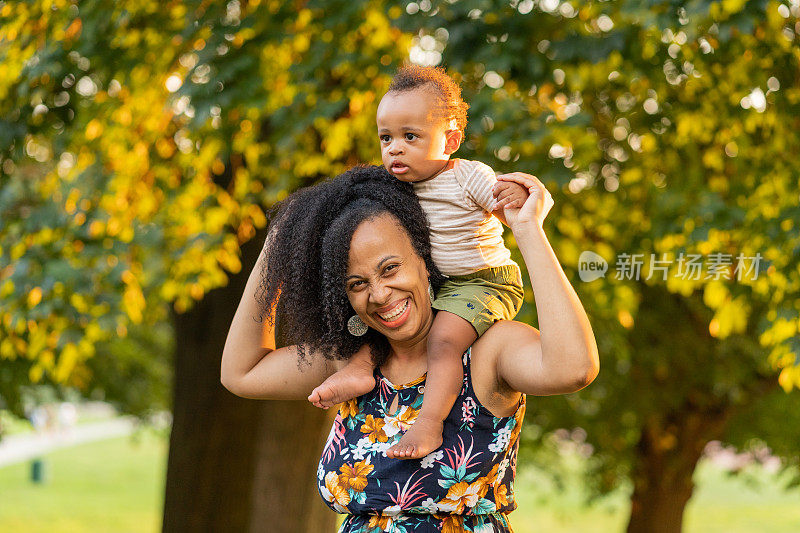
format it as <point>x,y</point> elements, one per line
<point>357,245</point>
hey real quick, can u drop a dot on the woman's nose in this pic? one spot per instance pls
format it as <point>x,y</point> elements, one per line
<point>379,294</point>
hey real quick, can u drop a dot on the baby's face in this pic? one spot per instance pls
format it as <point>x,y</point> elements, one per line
<point>414,139</point>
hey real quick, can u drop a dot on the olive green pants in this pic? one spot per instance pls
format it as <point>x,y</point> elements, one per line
<point>483,297</point>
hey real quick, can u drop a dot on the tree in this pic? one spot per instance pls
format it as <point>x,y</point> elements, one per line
<point>140,148</point>
<point>661,129</point>
<point>135,167</point>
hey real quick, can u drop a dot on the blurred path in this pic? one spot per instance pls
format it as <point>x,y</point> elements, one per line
<point>17,448</point>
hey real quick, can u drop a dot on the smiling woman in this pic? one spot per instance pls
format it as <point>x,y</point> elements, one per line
<point>358,246</point>
<point>388,285</point>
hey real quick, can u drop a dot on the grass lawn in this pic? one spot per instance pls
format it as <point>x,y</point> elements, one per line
<point>725,504</point>
<point>721,503</point>
<point>12,425</point>
<point>116,486</point>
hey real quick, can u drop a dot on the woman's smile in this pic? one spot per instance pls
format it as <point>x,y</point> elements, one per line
<point>395,314</point>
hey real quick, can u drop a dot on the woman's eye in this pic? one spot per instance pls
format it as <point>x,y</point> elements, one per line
<point>391,268</point>
<point>356,285</point>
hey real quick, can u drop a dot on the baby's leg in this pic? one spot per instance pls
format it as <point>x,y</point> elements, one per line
<point>449,338</point>
<point>353,380</point>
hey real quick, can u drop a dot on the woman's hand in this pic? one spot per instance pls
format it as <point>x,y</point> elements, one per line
<point>535,208</point>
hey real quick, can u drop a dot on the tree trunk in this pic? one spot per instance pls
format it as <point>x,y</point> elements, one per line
<point>236,465</point>
<point>667,455</point>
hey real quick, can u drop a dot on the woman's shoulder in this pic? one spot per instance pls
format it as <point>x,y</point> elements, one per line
<point>503,335</point>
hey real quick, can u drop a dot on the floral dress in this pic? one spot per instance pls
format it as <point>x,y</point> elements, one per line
<point>464,485</point>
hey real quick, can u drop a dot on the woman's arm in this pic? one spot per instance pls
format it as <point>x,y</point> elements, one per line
<point>251,365</point>
<point>562,356</point>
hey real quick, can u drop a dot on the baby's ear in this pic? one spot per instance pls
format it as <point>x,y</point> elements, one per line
<point>454,138</point>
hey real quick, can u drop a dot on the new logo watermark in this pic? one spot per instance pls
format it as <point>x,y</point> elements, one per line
<point>592,266</point>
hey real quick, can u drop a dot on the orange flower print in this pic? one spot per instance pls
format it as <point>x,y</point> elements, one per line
<point>374,428</point>
<point>335,493</point>
<point>394,424</point>
<point>355,476</point>
<point>488,479</point>
<point>515,432</point>
<point>452,524</point>
<point>380,521</point>
<point>348,408</point>
<point>501,495</point>
<point>462,495</point>
<point>518,423</point>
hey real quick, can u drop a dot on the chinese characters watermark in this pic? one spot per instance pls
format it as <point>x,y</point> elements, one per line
<point>592,266</point>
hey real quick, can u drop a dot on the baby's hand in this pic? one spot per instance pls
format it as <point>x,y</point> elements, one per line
<point>508,194</point>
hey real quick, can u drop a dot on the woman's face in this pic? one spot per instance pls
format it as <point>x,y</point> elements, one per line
<point>387,282</point>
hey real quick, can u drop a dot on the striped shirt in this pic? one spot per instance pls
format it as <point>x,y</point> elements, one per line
<point>465,236</point>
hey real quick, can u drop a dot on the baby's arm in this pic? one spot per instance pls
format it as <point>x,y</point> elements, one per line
<point>507,195</point>
<point>486,189</point>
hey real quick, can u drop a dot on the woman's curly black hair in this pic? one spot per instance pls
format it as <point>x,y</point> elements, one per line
<point>302,286</point>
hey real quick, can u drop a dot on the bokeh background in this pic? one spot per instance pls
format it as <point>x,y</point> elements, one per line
<point>143,143</point>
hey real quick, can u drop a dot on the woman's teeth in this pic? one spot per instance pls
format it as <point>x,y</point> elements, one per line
<point>398,310</point>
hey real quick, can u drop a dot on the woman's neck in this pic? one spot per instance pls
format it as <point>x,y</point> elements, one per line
<point>409,352</point>
<point>407,361</point>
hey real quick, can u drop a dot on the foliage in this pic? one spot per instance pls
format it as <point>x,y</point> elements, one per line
<point>141,145</point>
<point>134,373</point>
<point>132,168</point>
<point>662,128</point>
<point>645,117</point>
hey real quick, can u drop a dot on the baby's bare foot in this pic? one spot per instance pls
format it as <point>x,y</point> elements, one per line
<point>423,437</point>
<point>347,383</point>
